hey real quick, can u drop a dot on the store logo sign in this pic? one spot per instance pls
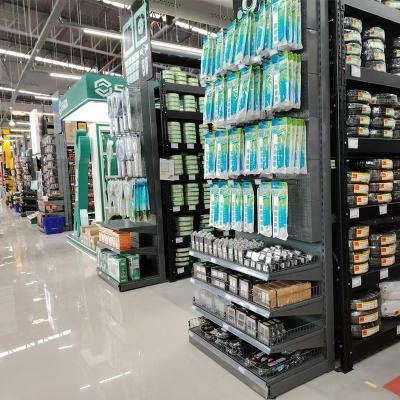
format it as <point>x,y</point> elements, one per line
<point>102,87</point>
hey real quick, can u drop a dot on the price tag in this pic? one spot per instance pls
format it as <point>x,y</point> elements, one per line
<point>207,206</point>
<point>179,240</point>
<point>213,260</point>
<point>241,369</point>
<point>257,182</point>
<point>384,273</point>
<point>176,208</point>
<point>383,209</point>
<point>180,270</point>
<point>354,213</point>
<point>355,71</point>
<point>191,253</point>
<point>225,326</point>
<point>190,146</point>
<point>192,208</point>
<point>192,177</point>
<point>398,329</point>
<point>356,282</point>
<point>174,145</point>
<point>353,143</point>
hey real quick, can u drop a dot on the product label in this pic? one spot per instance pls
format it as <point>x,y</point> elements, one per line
<point>370,331</point>
<point>367,305</point>
<point>368,318</point>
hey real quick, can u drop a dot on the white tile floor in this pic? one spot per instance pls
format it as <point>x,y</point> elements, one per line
<point>66,335</point>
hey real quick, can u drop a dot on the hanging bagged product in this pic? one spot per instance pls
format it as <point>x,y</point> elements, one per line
<point>280,210</point>
<point>264,202</point>
<point>230,44</point>
<point>205,60</point>
<point>214,204</point>
<point>237,207</point>
<point>241,39</point>
<point>267,88</point>
<point>209,155</point>
<point>279,24</point>
<point>278,145</point>
<point>221,151</point>
<point>264,29</point>
<point>264,147</point>
<point>249,49</point>
<point>256,108</point>
<point>225,201</point>
<point>303,153</point>
<point>208,114</point>
<point>248,207</point>
<point>232,96</point>
<point>120,151</point>
<point>244,93</point>
<point>220,102</point>
<point>236,149</point>
<point>250,150</point>
<point>219,52</point>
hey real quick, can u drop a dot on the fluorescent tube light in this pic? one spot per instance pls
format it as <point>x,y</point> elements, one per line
<point>7,89</point>
<point>115,4</point>
<point>65,76</point>
<point>19,130</point>
<point>159,45</point>
<point>22,123</point>
<point>48,98</point>
<point>196,29</point>
<point>32,93</point>
<point>98,32</point>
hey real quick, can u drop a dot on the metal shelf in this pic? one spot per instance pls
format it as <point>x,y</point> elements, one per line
<point>184,116</point>
<point>185,147</point>
<point>371,8</point>
<point>144,251</point>
<point>373,211</point>
<point>183,89</point>
<point>190,209</point>
<point>374,276</point>
<point>315,338</point>
<point>374,146</point>
<point>312,306</point>
<point>125,225</point>
<point>305,272</point>
<point>370,76</point>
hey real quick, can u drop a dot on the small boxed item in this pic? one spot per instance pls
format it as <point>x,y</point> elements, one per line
<point>231,314</point>
<point>251,325</point>
<point>233,283</point>
<point>241,319</point>
<point>245,288</point>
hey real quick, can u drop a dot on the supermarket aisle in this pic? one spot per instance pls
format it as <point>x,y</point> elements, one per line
<point>64,334</point>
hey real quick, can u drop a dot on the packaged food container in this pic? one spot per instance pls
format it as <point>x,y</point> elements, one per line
<point>357,201</point>
<point>382,239</point>
<point>359,232</point>
<point>357,188</point>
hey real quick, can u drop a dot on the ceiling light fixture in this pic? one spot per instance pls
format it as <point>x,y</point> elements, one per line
<point>48,98</point>
<point>7,89</point>
<point>33,93</point>
<point>65,76</point>
<point>159,45</point>
<point>115,4</point>
<point>23,123</point>
<point>98,32</point>
<point>19,130</point>
<point>196,29</point>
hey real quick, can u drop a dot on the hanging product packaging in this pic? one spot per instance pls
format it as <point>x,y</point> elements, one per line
<point>209,155</point>
<point>279,210</point>
<point>267,88</point>
<point>289,146</point>
<point>279,126</point>
<point>221,151</point>
<point>249,49</point>
<point>250,100</point>
<point>264,147</point>
<point>241,39</point>
<point>236,146</point>
<point>279,24</point>
<point>129,156</point>
<point>219,102</point>
<point>208,114</point>
<point>225,200</point>
<point>232,96</point>
<point>256,109</point>
<point>237,207</point>
<point>281,98</point>
<point>250,150</point>
<point>120,151</point>
<point>299,41</point>
<point>214,204</point>
<point>211,64</point>
<point>244,93</point>
<point>230,43</point>
<point>297,87</point>
<point>248,207</point>
<point>205,60</point>
<point>303,153</point>
<point>264,201</point>
<point>263,42</point>
<point>219,52</point>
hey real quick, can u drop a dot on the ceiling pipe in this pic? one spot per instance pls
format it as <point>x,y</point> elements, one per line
<point>165,29</point>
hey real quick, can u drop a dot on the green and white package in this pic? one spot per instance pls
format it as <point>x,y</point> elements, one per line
<point>267,87</point>
<point>280,210</point>
<point>209,155</point>
<point>249,49</point>
<point>211,65</point>
<point>232,96</point>
<point>244,93</point>
<point>230,43</point>
<point>250,150</point>
<point>221,151</point>
<point>236,146</point>
<point>225,201</point>
<point>264,203</point>
<point>248,207</point>
<point>256,109</point>
<point>297,89</point>
<point>290,144</point>
<point>264,29</point>
<point>264,147</point>
<point>220,102</point>
<point>214,204</point>
<point>241,39</point>
<point>303,152</point>
<point>237,207</point>
<point>279,132</point>
<point>279,23</point>
<point>208,114</point>
<point>219,52</point>
<point>281,99</point>
<point>205,60</point>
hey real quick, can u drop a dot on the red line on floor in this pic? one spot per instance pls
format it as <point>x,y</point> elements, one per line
<point>393,386</point>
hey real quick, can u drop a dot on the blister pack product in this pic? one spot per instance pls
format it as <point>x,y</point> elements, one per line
<point>232,96</point>
<point>264,147</point>
<point>280,210</point>
<point>209,155</point>
<point>236,150</point>
<point>208,115</point>
<point>250,150</point>
<point>237,207</point>
<point>219,52</point>
<point>248,207</point>
<point>264,202</point>
<point>225,201</point>
<point>221,151</point>
<point>219,102</point>
<point>267,87</point>
<point>244,93</point>
<point>230,44</point>
<point>241,39</point>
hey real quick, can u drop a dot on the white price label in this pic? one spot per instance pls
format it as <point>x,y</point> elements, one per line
<point>192,177</point>
<point>383,209</point>
<point>225,326</point>
<point>355,71</point>
<point>190,146</point>
<point>180,270</point>
<point>354,213</point>
<point>353,143</point>
<point>191,253</point>
<point>257,181</point>
<point>228,297</point>
<point>179,240</point>
<point>213,260</point>
<point>174,145</point>
<point>356,282</point>
<point>384,273</point>
<point>176,209</point>
<point>192,208</point>
<point>241,369</point>
<point>398,329</point>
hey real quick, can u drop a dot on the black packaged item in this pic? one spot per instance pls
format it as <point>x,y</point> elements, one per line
<point>397,125</point>
<point>358,109</point>
<point>383,251</point>
<point>358,177</point>
<point>382,239</point>
<point>358,96</point>
<point>353,49</point>
<point>396,196</point>
<point>379,111</point>
<point>359,257</point>
<point>396,43</point>
<point>352,36</point>
<point>396,134</point>
<point>396,174</point>
<point>379,198</point>
<point>358,120</point>
<point>353,60</point>
<point>365,301</point>
<point>355,131</point>
<point>385,99</point>
<point>374,44</point>
<point>376,65</point>
<point>377,175</point>
<point>359,232</point>
<point>382,187</point>
<point>365,330</point>
<point>394,53</point>
<point>381,133</point>
<point>396,185</point>
<point>364,317</point>
<point>357,188</point>
<point>382,262</point>
<point>373,55</point>
<point>358,269</point>
<point>374,33</point>
<point>357,201</point>
<point>352,23</point>
<point>359,244</point>
<point>377,163</point>
<point>394,64</point>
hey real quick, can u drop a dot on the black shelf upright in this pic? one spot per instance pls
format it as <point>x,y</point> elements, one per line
<point>344,149</point>
<point>167,149</point>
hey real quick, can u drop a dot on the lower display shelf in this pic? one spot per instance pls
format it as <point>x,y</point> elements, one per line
<point>375,276</point>
<point>76,242</point>
<point>123,287</point>
<point>389,334</point>
<point>144,251</point>
<point>305,337</point>
<point>282,381</point>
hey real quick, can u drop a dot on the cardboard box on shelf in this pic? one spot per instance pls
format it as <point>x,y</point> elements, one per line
<point>70,129</point>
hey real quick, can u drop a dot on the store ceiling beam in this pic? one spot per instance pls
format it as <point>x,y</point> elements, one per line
<point>51,20</point>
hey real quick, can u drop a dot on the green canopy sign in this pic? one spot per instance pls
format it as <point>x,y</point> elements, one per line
<point>90,88</point>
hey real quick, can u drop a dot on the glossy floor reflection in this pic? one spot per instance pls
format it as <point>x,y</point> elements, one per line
<point>65,334</point>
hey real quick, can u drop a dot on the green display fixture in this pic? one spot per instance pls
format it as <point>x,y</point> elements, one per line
<point>82,159</point>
